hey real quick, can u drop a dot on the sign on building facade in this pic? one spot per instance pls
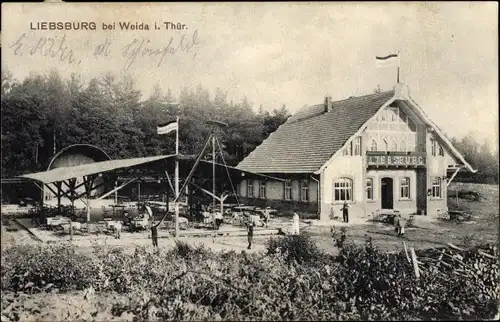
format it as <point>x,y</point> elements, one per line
<point>400,159</point>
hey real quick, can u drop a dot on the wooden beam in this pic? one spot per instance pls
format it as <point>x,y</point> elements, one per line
<point>92,189</point>
<point>207,192</point>
<point>169,182</point>
<point>62,193</point>
<point>415,262</point>
<point>116,189</point>
<point>52,190</point>
<point>452,177</point>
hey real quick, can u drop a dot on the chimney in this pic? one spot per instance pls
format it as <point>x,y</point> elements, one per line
<point>328,103</point>
<point>401,90</point>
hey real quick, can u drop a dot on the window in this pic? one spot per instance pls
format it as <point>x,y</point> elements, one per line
<point>410,147</point>
<point>249,189</point>
<point>343,189</point>
<point>436,187</point>
<point>404,191</point>
<point>369,189</point>
<point>357,145</point>
<point>288,190</point>
<point>348,149</point>
<point>441,151</point>
<point>386,145</point>
<point>374,146</point>
<point>304,190</point>
<point>394,114</point>
<point>262,190</point>
<point>433,147</point>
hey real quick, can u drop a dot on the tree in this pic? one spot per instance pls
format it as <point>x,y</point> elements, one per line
<point>108,112</point>
<point>480,157</point>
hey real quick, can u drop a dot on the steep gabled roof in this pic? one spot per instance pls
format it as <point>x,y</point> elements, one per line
<point>310,138</point>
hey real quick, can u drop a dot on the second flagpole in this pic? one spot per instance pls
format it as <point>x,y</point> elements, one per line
<point>399,64</point>
<point>177,179</point>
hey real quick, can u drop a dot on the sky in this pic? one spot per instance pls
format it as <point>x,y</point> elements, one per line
<point>278,53</point>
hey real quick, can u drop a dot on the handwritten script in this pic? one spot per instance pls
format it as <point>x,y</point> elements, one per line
<point>61,49</point>
<point>49,47</point>
<point>141,47</point>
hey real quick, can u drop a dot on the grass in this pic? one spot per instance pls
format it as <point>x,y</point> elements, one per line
<point>482,229</point>
<point>71,306</point>
<point>484,226</point>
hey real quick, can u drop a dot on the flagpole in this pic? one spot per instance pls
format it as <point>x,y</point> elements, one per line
<point>399,63</point>
<point>177,179</point>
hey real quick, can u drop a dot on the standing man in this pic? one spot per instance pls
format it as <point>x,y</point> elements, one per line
<point>154,234</point>
<point>250,226</point>
<point>345,212</point>
<point>118,228</point>
<point>219,219</point>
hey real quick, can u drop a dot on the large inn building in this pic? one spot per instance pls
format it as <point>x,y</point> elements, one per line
<point>378,152</point>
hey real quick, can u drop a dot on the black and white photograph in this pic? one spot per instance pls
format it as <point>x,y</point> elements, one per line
<point>249,161</point>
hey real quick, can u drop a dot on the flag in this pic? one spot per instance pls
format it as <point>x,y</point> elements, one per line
<point>167,128</point>
<point>386,61</point>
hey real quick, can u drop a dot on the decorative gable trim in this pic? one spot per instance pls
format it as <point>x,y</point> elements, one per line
<point>401,92</point>
<point>439,133</point>
<point>358,133</point>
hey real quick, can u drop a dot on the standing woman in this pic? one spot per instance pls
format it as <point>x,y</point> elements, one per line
<point>402,225</point>
<point>295,224</point>
<point>267,215</point>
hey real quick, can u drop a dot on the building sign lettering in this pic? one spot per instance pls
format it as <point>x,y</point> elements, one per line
<point>395,160</point>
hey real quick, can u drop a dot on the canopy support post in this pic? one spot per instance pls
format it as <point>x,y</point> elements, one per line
<point>58,195</point>
<point>88,183</point>
<point>72,184</point>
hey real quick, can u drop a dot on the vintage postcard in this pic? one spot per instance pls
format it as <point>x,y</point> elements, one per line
<point>249,161</point>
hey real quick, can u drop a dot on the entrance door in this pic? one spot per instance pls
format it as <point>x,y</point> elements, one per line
<point>387,193</point>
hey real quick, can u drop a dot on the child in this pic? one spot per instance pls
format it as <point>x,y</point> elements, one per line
<point>396,223</point>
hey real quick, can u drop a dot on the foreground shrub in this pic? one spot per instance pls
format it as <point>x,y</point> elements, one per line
<point>295,283</point>
<point>35,268</point>
<point>300,248</point>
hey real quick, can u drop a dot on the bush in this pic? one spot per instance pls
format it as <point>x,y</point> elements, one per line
<point>300,248</point>
<point>339,239</point>
<point>184,250</point>
<point>293,281</point>
<point>465,194</point>
<point>30,268</point>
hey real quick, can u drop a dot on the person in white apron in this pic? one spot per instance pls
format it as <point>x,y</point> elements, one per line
<point>402,225</point>
<point>267,215</point>
<point>295,224</point>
